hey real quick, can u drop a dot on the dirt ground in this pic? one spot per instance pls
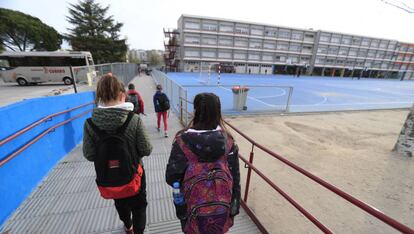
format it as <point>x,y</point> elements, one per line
<point>349,150</point>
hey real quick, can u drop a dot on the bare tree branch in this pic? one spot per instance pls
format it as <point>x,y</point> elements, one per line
<point>403,6</point>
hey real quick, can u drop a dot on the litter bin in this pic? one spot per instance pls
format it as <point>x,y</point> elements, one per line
<point>240,97</point>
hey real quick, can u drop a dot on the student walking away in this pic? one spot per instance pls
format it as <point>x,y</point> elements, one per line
<point>135,98</point>
<point>115,140</point>
<point>161,105</point>
<point>204,165</point>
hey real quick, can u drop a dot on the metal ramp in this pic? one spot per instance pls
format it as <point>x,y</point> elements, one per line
<point>67,200</point>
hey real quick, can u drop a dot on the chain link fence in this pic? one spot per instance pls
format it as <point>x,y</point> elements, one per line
<point>86,77</point>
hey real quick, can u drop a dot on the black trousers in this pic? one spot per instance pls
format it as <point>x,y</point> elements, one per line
<point>137,206</point>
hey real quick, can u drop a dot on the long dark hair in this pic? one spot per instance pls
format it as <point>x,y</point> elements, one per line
<point>207,113</point>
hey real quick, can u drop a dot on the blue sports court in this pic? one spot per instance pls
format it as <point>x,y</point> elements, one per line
<point>270,93</point>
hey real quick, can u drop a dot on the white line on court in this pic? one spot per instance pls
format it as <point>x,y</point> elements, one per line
<point>351,104</point>
<point>279,95</point>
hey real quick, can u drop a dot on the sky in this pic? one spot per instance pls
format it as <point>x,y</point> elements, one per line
<point>144,20</point>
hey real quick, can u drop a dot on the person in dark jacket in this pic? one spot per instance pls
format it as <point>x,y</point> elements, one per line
<point>132,91</point>
<point>207,138</point>
<point>161,106</point>
<point>111,113</point>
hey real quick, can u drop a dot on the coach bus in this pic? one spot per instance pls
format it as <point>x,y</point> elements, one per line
<point>39,67</point>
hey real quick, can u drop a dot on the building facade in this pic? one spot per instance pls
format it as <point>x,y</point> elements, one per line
<point>269,49</point>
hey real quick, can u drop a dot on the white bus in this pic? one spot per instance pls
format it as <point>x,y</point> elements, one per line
<point>38,67</point>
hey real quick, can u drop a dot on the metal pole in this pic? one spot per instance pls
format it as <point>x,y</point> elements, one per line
<point>289,99</point>
<point>73,79</point>
<point>249,174</point>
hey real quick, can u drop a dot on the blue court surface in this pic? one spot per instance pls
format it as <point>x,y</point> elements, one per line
<point>310,94</point>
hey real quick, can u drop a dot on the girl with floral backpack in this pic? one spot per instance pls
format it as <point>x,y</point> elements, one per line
<point>204,161</point>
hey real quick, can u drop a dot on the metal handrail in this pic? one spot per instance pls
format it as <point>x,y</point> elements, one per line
<point>360,204</point>
<point>31,142</point>
<point>366,207</point>
<point>17,134</point>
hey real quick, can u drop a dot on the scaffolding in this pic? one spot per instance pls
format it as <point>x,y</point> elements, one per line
<point>171,45</point>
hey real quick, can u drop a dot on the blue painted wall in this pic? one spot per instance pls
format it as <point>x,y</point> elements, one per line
<point>20,176</point>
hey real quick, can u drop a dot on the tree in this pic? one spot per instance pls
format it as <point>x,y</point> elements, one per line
<point>95,32</point>
<point>154,58</point>
<point>405,142</point>
<point>22,32</point>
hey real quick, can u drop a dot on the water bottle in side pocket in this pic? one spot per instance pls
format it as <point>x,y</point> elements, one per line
<point>179,202</point>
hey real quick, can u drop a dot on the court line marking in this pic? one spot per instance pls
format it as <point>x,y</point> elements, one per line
<point>357,104</point>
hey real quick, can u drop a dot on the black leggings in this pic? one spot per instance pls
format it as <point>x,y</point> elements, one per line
<point>137,205</point>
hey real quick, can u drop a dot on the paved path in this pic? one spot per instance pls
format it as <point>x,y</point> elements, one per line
<point>67,201</point>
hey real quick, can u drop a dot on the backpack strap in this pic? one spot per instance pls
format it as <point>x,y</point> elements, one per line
<point>125,125</point>
<point>95,128</point>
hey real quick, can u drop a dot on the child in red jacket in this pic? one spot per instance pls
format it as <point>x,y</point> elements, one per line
<point>135,98</point>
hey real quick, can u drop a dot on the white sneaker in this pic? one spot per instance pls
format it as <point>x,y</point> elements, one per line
<point>158,129</point>
<point>166,134</point>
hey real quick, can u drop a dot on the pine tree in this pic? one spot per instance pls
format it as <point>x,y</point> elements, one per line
<point>95,32</point>
<point>22,32</point>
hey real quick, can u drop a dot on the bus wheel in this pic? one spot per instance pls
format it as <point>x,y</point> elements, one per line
<point>67,81</point>
<point>22,82</point>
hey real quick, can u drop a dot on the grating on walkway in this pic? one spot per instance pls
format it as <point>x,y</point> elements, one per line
<point>67,200</point>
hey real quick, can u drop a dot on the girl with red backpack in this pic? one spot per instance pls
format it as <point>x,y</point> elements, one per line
<point>115,140</point>
<point>204,164</point>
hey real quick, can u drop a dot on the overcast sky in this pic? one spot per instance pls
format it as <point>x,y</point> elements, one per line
<point>144,19</point>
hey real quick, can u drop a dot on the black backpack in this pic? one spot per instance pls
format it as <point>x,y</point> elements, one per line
<point>164,103</point>
<point>116,169</point>
<point>134,100</point>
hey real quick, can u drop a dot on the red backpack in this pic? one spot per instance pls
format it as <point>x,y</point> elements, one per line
<point>207,188</point>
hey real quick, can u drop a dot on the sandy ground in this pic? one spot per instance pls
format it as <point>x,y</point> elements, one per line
<point>350,150</point>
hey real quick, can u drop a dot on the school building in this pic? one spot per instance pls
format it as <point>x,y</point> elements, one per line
<point>203,42</point>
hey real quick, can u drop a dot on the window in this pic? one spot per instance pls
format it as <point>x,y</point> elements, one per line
<point>383,45</point>
<point>192,53</point>
<point>280,58</point>
<point>269,45</point>
<point>323,49</point>
<point>282,46</point>
<point>371,53</point>
<point>225,41</point>
<point>356,41</point>
<point>325,37</point>
<point>306,48</point>
<point>242,29</point>
<point>226,28</point>
<point>208,53</point>
<point>297,36</point>
<point>210,26</point>
<point>254,57</point>
<point>192,39</point>
<point>392,45</point>
<point>320,60</point>
<point>380,54</point>
<point>209,40</point>
<point>283,33</point>
<point>238,55</point>
<point>366,42</point>
<point>343,51</point>
<point>224,54</point>
<point>4,62</point>
<point>74,61</point>
<point>336,39</point>
<point>267,57</point>
<point>333,50</point>
<point>362,53</point>
<point>295,47</point>
<point>353,52</point>
<point>375,43</point>
<point>192,25</point>
<point>270,32</point>
<point>255,44</point>
<point>330,61</point>
<point>256,31</point>
<point>384,65</point>
<point>346,40</point>
<point>293,59</point>
<point>305,59</point>
<point>240,43</point>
